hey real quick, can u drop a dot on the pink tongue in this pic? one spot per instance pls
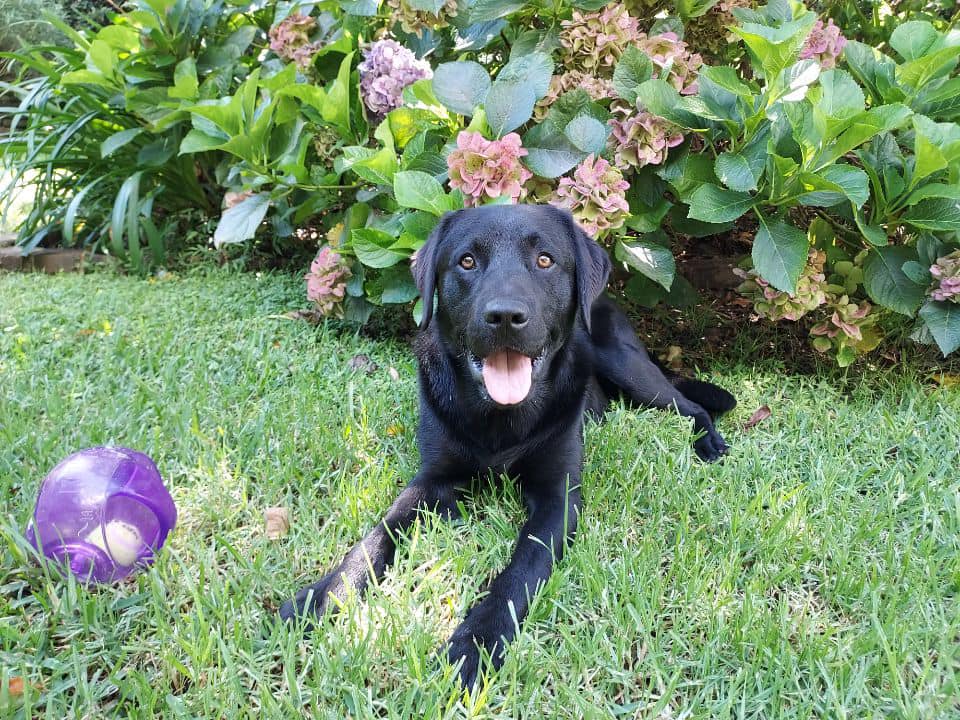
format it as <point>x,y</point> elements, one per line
<point>506,375</point>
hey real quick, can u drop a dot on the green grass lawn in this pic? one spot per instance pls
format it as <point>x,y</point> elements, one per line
<point>815,573</point>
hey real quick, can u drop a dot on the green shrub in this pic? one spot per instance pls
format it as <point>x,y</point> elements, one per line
<point>366,121</point>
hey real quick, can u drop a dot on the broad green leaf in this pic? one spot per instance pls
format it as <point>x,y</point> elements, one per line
<point>735,172</point>
<point>839,95</point>
<point>779,254</point>
<point>934,190</point>
<point>375,248</point>
<point>398,285</point>
<point>633,68</point>
<point>714,204</point>
<point>533,70</point>
<point>797,79</point>
<point>873,70</point>
<point>833,185</point>
<point>361,8</point>
<point>688,172</point>
<point>430,6</point>
<point>508,106</point>
<point>935,214</point>
<point>483,10</point>
<point>918,273</point>
<point>420,191</point>
<point>874,235</point>
<point>862,128</point>
<point>549,153</point>
<point>653,260</point>
<point>943,321</point>
<point>336,104</point>
<point>661,98</point>
<point>914,39</point>
<point>887,284</point>
<point>240,222</point>
<point>537,40</point>
<point>776,48</point>
<point>197,141</point>
<point>461,86</point>
<point>587,134</point>
<point>310,95</point>
<point>185,85</point>
<point>117,141</point>
<point>479,35</point>
<point>419,224</point>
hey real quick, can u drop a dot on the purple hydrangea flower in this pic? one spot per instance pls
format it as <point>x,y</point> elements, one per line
<point>327,281</point>
<point>388,68</point>
<point>824,44</point>
<point>946,273</point>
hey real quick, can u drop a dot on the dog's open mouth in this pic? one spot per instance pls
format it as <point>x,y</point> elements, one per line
<point>507,375</point>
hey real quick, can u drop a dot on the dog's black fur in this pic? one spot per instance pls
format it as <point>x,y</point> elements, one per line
<point>586,354</point>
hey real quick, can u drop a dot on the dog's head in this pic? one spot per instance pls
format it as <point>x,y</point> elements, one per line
<point>511,282</point>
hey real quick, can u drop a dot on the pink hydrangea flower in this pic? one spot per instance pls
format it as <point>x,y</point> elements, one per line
<point>327,281</point>
<point>824,44</point>
<point>669,53</point>
<point>596,195</point>
<point>596,40</point>
<point>640,139</point>
<point>596,88</point>
<point>388,68</point>
<point>776,305</point>
<point>290,39</point>
<point>946,273</point>
<point>482,168</point>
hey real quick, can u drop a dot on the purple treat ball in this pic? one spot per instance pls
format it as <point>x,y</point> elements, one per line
<point>102,512</point>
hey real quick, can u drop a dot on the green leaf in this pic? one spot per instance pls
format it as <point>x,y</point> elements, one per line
<point>185,85</point>
<point>197,141</point>
<point>862,128</point>
<point>735,172</point>
<point>914,39</point>
<point>549,153</point>
<point>336,104</point>
<point>633,69</point>
<point>375,248</point>
<point>461,86</point>
<point>840,96</point>
<point>887,284</point>
<point>587,134</point>
<point>484,10</point>
<point>917,73</point>
<point>714,204</point>
<point>653,260</point>
<point>534,69</point>
<point>362,8</point>
<point>419,224</point>
<point>508,106</point>
<point>918,273</point>
<point>874,70</point>
<point>943,321</point>
<point>779,254</point>
<point>240,222</point>
<point>833,185</point>
<point>776,48</point>
<point>935,214</point>
<point>661,98</point>
<point>117,141</point>
<point>934,190</point>
<point>431,6</point>
<point>398,285</point>
<point>420,191</point>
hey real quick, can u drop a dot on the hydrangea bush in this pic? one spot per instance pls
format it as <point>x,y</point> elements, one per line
<point>651,120</point>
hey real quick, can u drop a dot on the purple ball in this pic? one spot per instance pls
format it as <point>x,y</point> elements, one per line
<point>103,512</point>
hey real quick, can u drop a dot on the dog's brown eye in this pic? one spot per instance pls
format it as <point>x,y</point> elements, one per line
<point>467,262</point>
<point>544,261</point>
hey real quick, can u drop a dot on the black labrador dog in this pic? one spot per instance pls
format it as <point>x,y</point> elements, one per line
<point>521,345</point>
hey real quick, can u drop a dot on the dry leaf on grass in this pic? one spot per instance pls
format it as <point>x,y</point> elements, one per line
<point>759,415</point>
<point>947,380</point>
<point>362,362</point>
<point>15,686</point>
<point>277,522</point>
<point>394,375</point>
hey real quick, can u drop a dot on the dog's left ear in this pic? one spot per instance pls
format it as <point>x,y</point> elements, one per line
<point>593,268</point>
<point>425,268</point>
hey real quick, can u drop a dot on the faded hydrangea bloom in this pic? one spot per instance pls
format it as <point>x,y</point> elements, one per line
<point>416,21</point>
<point>595,195</point>
<point>327,281</point>
<point>640,138</point>
<point>846,324</point>
<point>595,41</point>
<point>771,303</point>
<point>388,68</point>
<point>482,168</point>
<point>946,274</point>
<point>824,44</point>
<point>670,54</point>
<point>290,39</point>
<point>596,88</point>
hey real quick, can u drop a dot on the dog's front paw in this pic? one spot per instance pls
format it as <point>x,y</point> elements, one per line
<point>309,602</point>
<point>711,447</point>
<point>482,634</point>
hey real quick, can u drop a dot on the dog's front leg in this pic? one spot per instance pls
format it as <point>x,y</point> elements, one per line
<point>375,552</point>
<point>490,624</point>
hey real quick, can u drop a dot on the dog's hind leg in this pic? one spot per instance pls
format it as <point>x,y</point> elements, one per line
<point>622,363</point>
<point>373,554</point>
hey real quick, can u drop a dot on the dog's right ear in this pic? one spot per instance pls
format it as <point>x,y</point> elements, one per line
<point>425,267</point>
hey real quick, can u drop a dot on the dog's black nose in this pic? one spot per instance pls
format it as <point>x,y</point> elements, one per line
<point>506,313</point>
